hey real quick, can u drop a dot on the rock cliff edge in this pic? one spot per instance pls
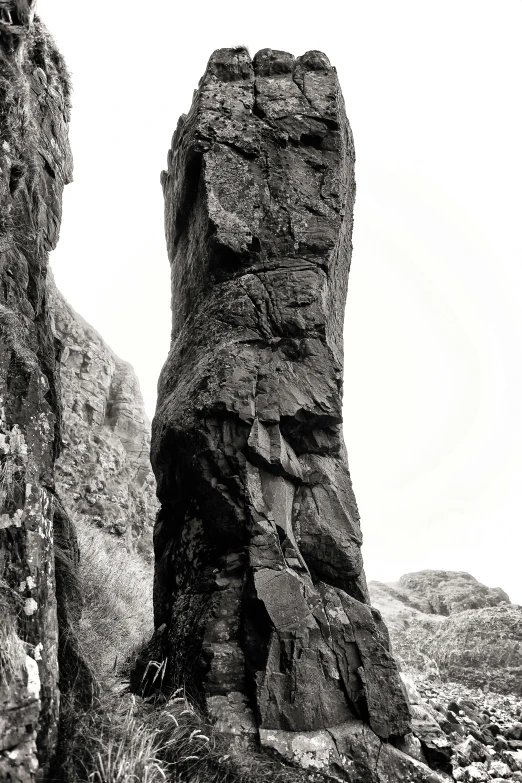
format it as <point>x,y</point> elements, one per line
<point>38,550</point>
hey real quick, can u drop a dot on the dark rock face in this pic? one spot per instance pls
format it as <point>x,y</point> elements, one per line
<point>35,163</point>
<point>103,472</point>
<point>261,604</point>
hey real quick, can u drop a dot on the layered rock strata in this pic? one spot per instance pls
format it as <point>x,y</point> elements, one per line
<point>103,472</point>
<point>35,163</point>
<point>261,605</point>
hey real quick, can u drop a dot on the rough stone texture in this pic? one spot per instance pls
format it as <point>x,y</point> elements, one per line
<point>448,592</point>
<point>35,163</point>
<point>479,644</point>
<point>103,472</point>
<point>481,729</point>
<point>261,604</point>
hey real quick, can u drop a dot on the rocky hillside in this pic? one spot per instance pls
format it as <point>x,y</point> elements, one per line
<point>104,471</point>
<point>448,592</point>
<point>449,622</point>
<point>460,647</point>
<point>469,735</point>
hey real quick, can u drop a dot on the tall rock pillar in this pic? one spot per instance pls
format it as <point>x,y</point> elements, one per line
<point>261,605</point>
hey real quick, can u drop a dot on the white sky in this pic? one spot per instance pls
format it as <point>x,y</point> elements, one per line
<point>433,384</point>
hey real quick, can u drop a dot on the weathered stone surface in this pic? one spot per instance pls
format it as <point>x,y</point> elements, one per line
<point>35,163</point>
<point>261,604</point>
<point>103,472</point>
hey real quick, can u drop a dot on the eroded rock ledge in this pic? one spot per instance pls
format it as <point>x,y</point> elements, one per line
<point>261,604</point>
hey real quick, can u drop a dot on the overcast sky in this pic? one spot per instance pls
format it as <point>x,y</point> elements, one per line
<point>433,382</point>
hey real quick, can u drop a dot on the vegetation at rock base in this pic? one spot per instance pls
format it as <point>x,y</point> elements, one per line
<point>12,649</point>
<point>117,599</point>
<point>120,738</point>
<point>114,737</point>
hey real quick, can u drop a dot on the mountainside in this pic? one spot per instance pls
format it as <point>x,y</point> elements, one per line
<point>459,644</point>
<point>450,622</point>
<point>448,592</point>
<point>103,472</point>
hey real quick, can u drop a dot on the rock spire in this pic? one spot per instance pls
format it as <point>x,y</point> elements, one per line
<point>261,604</point>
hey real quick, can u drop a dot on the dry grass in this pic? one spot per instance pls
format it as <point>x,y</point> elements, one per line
<point>117,597</point>
<point>12,649</point>
<point>125,739</point>
<point>128,752</point>
<point>112,588</point>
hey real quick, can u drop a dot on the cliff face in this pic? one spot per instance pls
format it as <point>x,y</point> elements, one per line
<point>466,632</point>
<point>35,163</point>
<point>261,605</point>
<point>103,471</point>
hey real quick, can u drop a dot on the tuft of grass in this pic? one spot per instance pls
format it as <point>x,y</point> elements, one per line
<point>12,484</point>
<point>12,648</point>
<point>116,589</point>
<point>129,753</point>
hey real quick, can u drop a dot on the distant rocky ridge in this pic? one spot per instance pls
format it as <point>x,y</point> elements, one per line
<point>448,592</point>
<point>459,644</point>
<point>449,621</point>
<point>104,471</point>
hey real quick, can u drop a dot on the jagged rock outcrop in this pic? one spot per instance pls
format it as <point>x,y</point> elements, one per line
<point>103,472</point>
<point>449,624</point>
<point>35,163</point>
<point>261,605</point>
